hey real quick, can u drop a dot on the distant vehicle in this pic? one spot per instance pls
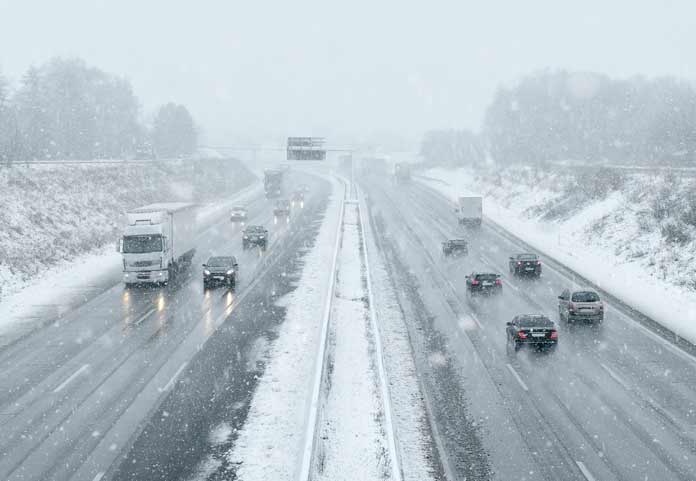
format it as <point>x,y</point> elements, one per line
<point>581,305</point>
<point>533,330</point>
<point>470,211</point>
<point>483,283</point>
<point>298,198</point>
<point>273,183</point>
<point>455,247</point>
<point>402,172</point>
<point>158,241</point>
<point>525,265</point>
<point>239,214</point>
<point>282,208</point>
<point>255,235</point>
<point>220,270</point>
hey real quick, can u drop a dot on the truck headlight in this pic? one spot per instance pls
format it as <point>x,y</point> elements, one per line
<point>230,272</point>
<point>206,272</point>
<point>261,237</point>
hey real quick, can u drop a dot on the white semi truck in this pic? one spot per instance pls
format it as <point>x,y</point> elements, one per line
<point>470,211</point>
<point>157,242</point>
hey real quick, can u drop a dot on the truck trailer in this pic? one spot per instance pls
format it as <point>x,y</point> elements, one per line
<point>273,183</point>
<point>470,211</point>
<point>158,242</point>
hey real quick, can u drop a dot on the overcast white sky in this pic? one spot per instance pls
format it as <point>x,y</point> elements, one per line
<point>253,69</point>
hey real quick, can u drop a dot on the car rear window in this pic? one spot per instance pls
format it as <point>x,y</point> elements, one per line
<point>585,296</point>
<point>486,277</point>
<point>535,321</point>
<point>527,257</point>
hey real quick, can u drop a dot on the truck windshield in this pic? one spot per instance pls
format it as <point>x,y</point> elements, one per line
<point>139,244</point>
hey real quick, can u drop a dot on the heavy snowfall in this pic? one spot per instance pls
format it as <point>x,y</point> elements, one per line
<point>305,241</point>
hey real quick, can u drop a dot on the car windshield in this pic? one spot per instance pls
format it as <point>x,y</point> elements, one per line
<point>585,296</point>
<point>220,261</point>
<point>141,244</point>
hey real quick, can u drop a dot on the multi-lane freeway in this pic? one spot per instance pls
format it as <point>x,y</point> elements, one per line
<point>128,385</point>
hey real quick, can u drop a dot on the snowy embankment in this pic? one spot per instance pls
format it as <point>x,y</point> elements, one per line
<point>631,236</point>
<point>60,224</point>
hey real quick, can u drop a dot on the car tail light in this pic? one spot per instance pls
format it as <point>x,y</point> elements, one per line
<point>522,335</point>
<point>571,306</point>
<point>474,282</point>
<point>498,282</point>
<point>554,334</point>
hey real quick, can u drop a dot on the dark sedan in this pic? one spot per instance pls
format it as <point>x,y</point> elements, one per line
<point>525,265</point>
<point>220,270</point>
<point>483,283</point>
<point>533,330</point>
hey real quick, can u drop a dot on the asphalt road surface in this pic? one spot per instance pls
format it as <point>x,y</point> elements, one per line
<point>77,394</point>
<point>612,403</point>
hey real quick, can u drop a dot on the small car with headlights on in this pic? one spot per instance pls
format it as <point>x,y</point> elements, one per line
<point>220,270</point>
<point>255,235</point>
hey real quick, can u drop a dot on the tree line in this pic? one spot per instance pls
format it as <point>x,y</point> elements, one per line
<point>67,110</point>
<point>589,117</point>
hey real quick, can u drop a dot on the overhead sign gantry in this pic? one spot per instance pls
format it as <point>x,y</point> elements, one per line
<point>306,148</point>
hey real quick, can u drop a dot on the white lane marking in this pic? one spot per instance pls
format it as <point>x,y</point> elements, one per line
<point>99,476</point>
<point>614,376</point>
<point>585,472</point>
<point>517,376</point>
<point>144,316</point>
<point>171,382</point>
<point>71,378</point>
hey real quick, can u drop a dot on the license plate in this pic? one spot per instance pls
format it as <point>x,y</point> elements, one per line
<point>219,278</point>
<point>528,268</point>
<point>487,284</point>
<point>538,334</point>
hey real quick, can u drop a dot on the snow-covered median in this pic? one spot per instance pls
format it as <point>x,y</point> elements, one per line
<point>608,240</point>
<point>270,445</point>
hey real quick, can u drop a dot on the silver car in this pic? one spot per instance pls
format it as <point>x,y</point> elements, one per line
<point>581,305</point>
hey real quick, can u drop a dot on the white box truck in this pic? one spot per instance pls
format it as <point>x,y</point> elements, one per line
<point>157,242</point>
<point>470,211</point>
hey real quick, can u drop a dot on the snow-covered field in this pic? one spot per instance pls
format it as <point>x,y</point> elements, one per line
<point>632,234</point>
<point>53,214</point>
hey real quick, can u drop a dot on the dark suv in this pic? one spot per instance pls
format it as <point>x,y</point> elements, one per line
<point>455,247</point>
<point>220,270</point>
<point>255,235</point>
<point>483,283</point>
<point>525,265</point>
<point>534,330</point>
<point>581,305</point>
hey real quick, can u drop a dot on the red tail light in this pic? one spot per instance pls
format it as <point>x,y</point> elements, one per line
<point>554,334</point>
<point>522,335</point>
<point>474,282</point>
<point>498,282</point>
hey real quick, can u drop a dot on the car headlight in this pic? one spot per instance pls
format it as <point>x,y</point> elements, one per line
<point>206,272</point>
<point>230,272</point>
<point>246,236</point>
<point>261,237</point>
